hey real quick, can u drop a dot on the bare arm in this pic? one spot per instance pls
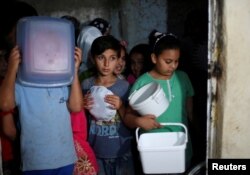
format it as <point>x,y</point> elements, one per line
<point>122,111</point>
<point>8,126</point>
<point>75,103</point>
<point>132,119</point>
<point>7,88</point>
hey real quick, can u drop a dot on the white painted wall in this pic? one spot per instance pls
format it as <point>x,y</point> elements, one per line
<point>235,140</point>
<point>231,115</point>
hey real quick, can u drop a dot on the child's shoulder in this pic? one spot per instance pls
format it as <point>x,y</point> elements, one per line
<point>87,83</point>
<point>122,82</point>
<point>144,78</point>
<point>181,73</point>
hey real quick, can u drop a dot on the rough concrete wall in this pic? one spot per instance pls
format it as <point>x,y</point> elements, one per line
<point>236,117</point>
<point>84,10</point>
<point>131,20</point>
<point>139,18</point>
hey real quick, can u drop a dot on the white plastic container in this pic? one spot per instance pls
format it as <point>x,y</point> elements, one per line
<point>162,152</point>
<point>149,99</point>
<point>47,47</point>
<point>101,110</point>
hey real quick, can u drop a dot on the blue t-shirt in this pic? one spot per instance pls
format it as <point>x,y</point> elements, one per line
<point>109,139</point>
<point>46,134</point>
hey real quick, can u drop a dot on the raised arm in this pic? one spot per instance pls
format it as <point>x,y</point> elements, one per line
<point>75,103</point>
<point>7,88</point>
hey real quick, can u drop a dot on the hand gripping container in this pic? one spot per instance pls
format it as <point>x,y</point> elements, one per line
<point>47,47</point>
<point>162,152</point>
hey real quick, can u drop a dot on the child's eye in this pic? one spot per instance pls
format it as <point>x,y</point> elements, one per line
<point>113,58</point>
<point>100,57</point>
<point>168,61</point>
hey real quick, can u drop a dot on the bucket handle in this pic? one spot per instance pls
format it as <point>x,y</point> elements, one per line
<point>165,124</point>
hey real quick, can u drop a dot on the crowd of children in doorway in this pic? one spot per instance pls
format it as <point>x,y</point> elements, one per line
<point>122,73</point>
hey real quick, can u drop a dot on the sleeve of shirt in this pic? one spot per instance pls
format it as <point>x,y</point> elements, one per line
<point>126,92</point>
<point>66,92</point>
<point>141,81</point>
<point>189,86</point>
<point>17,93</point>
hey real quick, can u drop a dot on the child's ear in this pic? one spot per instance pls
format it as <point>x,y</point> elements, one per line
<point>153,58</point>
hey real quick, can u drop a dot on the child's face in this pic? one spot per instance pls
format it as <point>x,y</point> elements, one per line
<point>167,62</point>
<point>106,62</point>
<point>121,63</point>
<point>137,62</point>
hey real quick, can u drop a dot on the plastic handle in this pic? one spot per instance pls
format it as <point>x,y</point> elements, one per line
<point>165,124</point>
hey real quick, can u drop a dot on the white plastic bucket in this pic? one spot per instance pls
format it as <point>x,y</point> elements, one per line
<point>149,99</point>
<point>162,152</point>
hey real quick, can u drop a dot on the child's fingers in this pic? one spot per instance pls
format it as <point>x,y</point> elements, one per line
<point>113,100</point>
<point>88,101</point>
<point>78,55</point>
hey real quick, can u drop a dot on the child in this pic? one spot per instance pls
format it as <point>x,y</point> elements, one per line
<point>46,136</point>
<point>176,85</point>
<point>139,62</point>
<point>119,70</point>
<point>111,140</point>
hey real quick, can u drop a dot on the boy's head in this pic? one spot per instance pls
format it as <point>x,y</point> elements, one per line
<point>105,51</point>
